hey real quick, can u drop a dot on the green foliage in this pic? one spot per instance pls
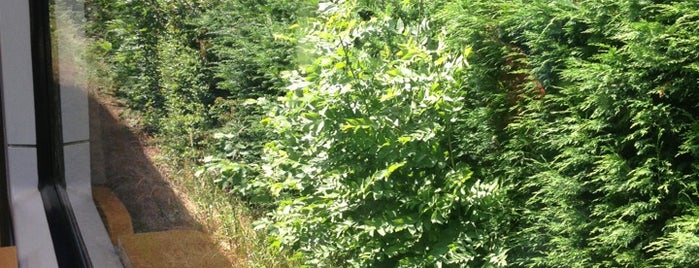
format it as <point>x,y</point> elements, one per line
<point>601,161</point>
<point>366,170</point>
<point>234,164</point>
<point>248,43</point>
<point>129,37</point>
<point>472,133</point>
<point>578,115</point>
<point>181,63</point>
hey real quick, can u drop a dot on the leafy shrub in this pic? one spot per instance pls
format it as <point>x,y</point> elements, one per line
<point>248,43</point>
<point>366,169</point>
<point>234,163</point>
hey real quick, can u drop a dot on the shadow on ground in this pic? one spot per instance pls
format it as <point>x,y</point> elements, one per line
<point>131,174</point>
<point>122,161</point>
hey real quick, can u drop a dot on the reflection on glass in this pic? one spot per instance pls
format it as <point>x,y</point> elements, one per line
<point>68,43</point>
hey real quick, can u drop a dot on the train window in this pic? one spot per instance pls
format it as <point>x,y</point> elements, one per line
<point>62,125</point>
<point>80,239</point>
<point>46,206</point>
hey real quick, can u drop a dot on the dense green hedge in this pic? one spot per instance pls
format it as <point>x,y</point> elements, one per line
<point>473,133</point>
<point>603,162</point>
<point>186,66</point>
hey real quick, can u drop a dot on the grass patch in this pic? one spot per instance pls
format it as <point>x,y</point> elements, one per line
<point>227,219</point>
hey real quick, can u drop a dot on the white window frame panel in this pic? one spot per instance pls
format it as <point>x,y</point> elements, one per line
<point>30,227</point>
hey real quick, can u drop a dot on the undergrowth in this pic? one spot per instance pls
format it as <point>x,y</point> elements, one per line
<point>228,220</point>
